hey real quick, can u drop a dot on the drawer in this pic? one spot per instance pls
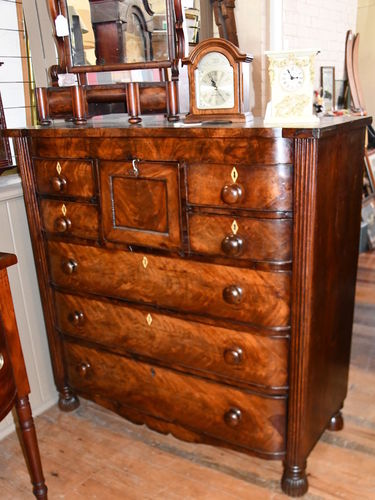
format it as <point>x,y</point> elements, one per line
<point>7,385</point>
<point>244,238</point>
<point>237,355</point>
<point>246,295</point>
<point>256,187</point>
<point>252,421</point>
<point>70,218</point>
<point>65,177</point>
<point>140,203</point>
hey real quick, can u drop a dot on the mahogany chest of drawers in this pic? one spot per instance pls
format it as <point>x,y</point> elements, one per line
<point>201,280</point>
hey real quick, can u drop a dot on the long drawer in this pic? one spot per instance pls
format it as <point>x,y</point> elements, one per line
<point>245,419</point>
<point>232,354</point>
<point>257,297</point>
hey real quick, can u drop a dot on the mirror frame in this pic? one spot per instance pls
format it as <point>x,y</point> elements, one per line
<point>175,39</point>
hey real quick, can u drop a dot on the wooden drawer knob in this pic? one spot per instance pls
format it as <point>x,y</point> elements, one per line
<point>233,417</point>
<point>77,318</point>
<point>83,368</point>
<point>58,184</point>
<point>62,224</point>
<point>231,194</point>
<point>233,356</point>
<point>232,245</point>
<point>233,294</point>
<point>70,266</point>
<point>2,361</point>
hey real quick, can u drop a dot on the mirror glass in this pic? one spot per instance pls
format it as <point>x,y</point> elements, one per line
<point>106,32</point>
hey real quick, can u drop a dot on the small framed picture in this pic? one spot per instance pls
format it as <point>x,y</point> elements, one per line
<point>327,82</point>
<point>368,216</point>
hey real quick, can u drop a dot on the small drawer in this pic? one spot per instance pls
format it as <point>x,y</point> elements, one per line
<point>239,356</point>
<point>7,385</point>
<point>65,177</point>
<point>258,297</point>
<point>255,187</point>
<point>251,421</point>
<point>70,218</point>
<point>239,237</point>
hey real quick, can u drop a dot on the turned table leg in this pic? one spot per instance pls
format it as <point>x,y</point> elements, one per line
<point>30,442</point>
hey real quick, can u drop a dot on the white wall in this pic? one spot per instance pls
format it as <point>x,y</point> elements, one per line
<point>366,28</point>
<point>320,24</point>
<point>11,72</point>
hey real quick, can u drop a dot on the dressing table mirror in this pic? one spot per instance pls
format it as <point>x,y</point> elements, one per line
<point>95,40</point>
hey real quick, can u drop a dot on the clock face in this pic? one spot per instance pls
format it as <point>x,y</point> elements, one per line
<point>292,78</point>
<point>214,82</point>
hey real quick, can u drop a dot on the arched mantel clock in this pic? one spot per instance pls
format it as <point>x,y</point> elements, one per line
<point>218,82</point>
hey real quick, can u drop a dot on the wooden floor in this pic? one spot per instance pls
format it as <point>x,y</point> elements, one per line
<point>93,454</point>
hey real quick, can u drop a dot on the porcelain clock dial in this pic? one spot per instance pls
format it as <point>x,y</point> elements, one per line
<point>292,78</point>
<point>214,79</point>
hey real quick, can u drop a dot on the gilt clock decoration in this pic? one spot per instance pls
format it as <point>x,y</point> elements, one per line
<point>292,87</point>
<point>218,82</point>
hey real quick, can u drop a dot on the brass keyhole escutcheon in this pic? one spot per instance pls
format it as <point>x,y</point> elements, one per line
<point>149,319</point>
<point>58,168</point>
<point>145,261</point>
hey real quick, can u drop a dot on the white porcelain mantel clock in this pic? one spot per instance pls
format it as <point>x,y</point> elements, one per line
<point>291,75</point>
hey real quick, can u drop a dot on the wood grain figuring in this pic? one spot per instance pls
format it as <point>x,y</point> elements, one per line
<point>147,388</point>
<point>268,240</point>
<point>35,225</point>
<point>7,385</point>
<point>161,467</point>
<point>170,283</point>
<point>158,347</point>
<point>258,149</point>
<point>141,203</point>
<point>189,345</point>
<point>263,187</point>
<point>76,177</point>
<point>70,219</point>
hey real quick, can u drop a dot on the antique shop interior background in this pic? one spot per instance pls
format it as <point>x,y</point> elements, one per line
<point>27,51</point>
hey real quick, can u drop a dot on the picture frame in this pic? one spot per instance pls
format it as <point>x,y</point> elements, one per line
<point>192,17</point>
<point>368,216</point>
<point>327,83</point>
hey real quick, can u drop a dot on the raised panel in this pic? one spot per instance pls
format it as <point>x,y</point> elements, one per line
<point>141,203</point>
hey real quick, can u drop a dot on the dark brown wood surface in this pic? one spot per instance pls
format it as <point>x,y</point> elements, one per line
<point>61,177</point>
<point>14,384</point>
<point>255,359</point>
<point>206,183</point>
<point>308,284</point>
<point>66,218</point>
<point>197,404</point>
<point>257,297</point>
<point>260,239</point>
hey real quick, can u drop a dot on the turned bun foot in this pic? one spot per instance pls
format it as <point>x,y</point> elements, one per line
<point>336,423</point>
<point>67,400</point>
<point>294,481</point>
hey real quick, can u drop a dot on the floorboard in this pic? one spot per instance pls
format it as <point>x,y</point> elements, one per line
<point>94,454</point>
